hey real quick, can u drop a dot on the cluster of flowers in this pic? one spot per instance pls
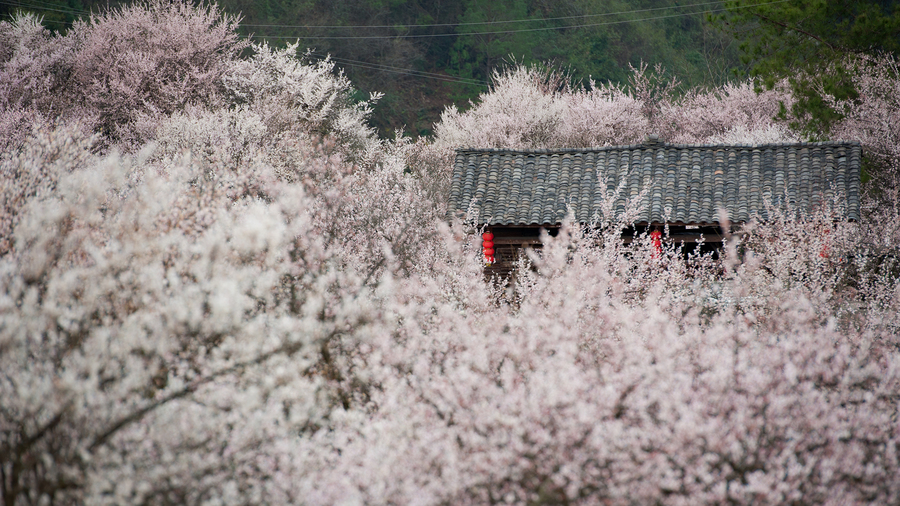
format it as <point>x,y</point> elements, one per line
<point>217,285</point>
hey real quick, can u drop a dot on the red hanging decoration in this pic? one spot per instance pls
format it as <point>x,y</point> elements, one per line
<point>656,240</point>
<point>488,247</point>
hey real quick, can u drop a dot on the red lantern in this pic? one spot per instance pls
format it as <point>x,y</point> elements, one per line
<point>487,244</point>
<point>656,240</point>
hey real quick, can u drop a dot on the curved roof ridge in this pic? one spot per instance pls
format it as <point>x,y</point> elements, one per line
<point>685,182</point>
<point>652,145</point>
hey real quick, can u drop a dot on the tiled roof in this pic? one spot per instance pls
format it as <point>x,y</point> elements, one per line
<point>687,183</point>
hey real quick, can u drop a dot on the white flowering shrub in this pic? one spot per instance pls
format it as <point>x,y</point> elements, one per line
<point>604,385</point>
<point>34,64</point>
<point>873,116</point>
<point>33,68</point>
<point>241,295</point>
<point>730,114</point>
<point>139,306</point>
<point>289,93</point>
<point>225,138</point>
<point>124,72</point>
<point>148,60</point>
<point>530,107</point>
<point>34,171</point>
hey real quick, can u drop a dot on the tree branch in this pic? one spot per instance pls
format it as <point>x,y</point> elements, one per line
<point>804,32</point>
<point>130,418</point>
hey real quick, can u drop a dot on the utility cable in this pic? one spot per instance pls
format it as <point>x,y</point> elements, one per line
<point>482,23</point>
<point>341,61</point>
<point>431,75</point>
<point>43,8</point>
<point>399,70</point>
<point>454,34</point>
<point>504,32</point>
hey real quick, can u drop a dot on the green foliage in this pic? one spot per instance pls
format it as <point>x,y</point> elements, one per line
<point>58,15</point>
<point>808,42</point>
<point>587,39</point>
<point>423,56</point>
<point>812,113</point>
<point>600,41</point>
<point>476,53</point>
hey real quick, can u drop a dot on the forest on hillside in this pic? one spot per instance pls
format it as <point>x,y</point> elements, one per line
<point>222,283</point>
<point>423,56</point>
<point>451,48</point>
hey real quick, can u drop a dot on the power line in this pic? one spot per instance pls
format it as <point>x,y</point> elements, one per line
<point>342,61</point>
<point>492,32</point>
<point>503,32</point>
<point>442,77</point>
<point>399,70</point>
<point>482,23</point>
<point>48,7</point>
<point>44,8</point>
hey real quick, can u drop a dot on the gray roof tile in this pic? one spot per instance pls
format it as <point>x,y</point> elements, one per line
<point>686,183</point>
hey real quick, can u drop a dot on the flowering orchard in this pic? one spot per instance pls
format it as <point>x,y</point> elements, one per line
<point>218,286</point>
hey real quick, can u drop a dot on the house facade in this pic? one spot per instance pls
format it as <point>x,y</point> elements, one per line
<point>516,193</point>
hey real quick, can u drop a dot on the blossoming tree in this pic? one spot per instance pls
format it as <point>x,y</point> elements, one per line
<point>236,293</point>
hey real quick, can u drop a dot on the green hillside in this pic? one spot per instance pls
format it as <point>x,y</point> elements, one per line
<point>426,55</point>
